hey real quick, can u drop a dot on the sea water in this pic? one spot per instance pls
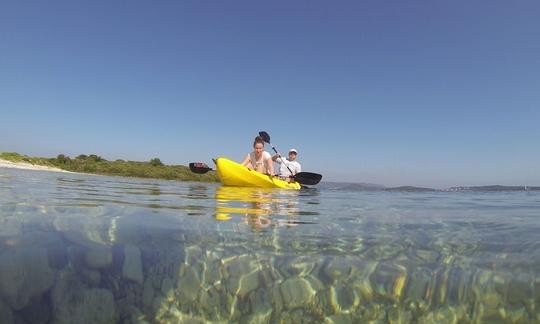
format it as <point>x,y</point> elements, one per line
<point>81,248</point>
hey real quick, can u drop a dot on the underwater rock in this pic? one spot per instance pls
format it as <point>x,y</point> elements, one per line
<point>343,299</point>
<point>338,268</point>
<point>132,268</point>
<point>148,293</point>
<point>24,274</point>
<point>441,315</point>
<point>166,285</point>
<point>210,303</point>
<point>428,256</point>
<point>515,315</point>
<point>6,315</point>
<point>34,238</point>
<point>167,289</point>
<point>175,315</point>
<point>57,257</point>
<point>364,289</point>
<point>212,273</point>
<point>315,282</point>
<point>75,256</point>
<point>257,318</point>
<point>519,291</point>
<point>240,264</point>
<point>135,316</point>
<point>399,316</point>
<point>243,275</point>
<point>188,285</point>
<point>372,313</point>
<point>73,302</point>
<point>90,277</point>
<point>260,303</point>
<point>193,254</point>
<point>248,283</point>
<point>300,316</point>
<point>270,276</point>
<point>537,291</point>
<point>299,266</point>
<point>52,242</point>
<point>88,238</point>
<point>277,300</point>
<point>98,258</point>
<point>389,280</point>
<point>296,292</point>
<point>338,319</point>
<point>37,312</point>
<point>160,307</point>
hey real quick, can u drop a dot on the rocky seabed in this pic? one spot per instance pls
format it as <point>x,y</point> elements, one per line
<point>48,278</point>
<point>74,268</point>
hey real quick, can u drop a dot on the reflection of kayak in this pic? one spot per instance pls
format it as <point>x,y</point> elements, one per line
<point>242,211</point>
<point>234,174</point>
<point>245,194</point>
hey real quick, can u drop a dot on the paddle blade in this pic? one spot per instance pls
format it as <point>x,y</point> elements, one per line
<point>307,178</point>
<point>264,135</point>
<point>198,167</point>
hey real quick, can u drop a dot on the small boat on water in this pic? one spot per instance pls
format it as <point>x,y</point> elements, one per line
<point>231,173</point>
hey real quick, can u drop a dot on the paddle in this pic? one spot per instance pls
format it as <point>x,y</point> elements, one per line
<point>198,167</point>
<point>305,178</point>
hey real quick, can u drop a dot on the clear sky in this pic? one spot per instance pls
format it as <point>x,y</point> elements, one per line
<point>426,93</point>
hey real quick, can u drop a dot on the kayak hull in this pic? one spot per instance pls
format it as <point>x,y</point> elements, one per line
<point>234,174</point>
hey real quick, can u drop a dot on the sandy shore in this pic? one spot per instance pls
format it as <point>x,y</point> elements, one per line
<point>29,166</point>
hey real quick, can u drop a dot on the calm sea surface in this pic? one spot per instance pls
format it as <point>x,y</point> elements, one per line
<point>92,249</point>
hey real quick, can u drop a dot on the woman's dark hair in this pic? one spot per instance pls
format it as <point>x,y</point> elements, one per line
<point>258,139</point>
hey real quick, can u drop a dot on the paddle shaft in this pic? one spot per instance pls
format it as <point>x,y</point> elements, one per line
<point>273,148</point>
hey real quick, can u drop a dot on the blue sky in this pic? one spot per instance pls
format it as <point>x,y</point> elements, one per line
<point>425,93</point>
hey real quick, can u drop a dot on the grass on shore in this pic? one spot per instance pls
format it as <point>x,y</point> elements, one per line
<point>153,169</point>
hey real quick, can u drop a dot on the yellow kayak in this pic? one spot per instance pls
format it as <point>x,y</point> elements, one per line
<point>234,174</point>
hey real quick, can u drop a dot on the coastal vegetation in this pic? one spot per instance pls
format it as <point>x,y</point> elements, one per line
<point>95,164</point>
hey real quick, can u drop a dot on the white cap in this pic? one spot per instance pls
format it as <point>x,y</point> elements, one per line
<point>293,150</point>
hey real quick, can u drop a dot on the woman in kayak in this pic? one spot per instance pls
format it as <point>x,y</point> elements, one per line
<point>259,160</point>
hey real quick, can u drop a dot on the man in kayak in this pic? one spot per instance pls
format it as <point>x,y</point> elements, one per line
<point>291,163</point>
<point>259,160</point>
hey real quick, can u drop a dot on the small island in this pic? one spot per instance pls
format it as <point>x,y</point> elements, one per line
<point>94,164</point>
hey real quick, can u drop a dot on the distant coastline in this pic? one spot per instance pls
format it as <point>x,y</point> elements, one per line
<point>155,169</point>
<point>377,187</point>
<point>94,164</point>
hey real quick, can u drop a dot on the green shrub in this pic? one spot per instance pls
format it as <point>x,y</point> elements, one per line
<point>62,159</point>
<point>156,162</point>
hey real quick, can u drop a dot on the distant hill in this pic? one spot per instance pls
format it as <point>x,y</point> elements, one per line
<point>495,188</point>
<point>410,189</point>
<point>352,186</point>
<point>362,186</point>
